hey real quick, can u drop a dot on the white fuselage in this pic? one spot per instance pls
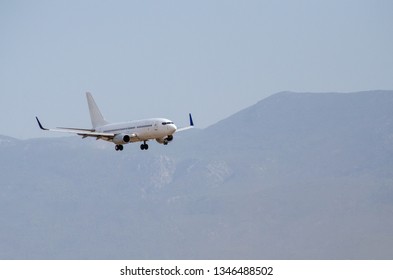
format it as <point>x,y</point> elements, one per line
<point>142,130</point>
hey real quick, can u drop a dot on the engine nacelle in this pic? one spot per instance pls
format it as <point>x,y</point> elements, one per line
<point>120,139</point>
<point>165,140</point>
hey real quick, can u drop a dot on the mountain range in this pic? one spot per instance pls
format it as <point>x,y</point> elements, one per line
<point>295,176</point>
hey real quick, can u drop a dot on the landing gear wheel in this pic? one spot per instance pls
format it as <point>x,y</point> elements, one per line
<point>144,146</point>
<point>119,147</point>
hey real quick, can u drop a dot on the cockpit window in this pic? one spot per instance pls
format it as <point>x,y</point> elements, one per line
<point>165,123</point>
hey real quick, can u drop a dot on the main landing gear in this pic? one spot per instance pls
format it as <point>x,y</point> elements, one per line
<point>144,146</point>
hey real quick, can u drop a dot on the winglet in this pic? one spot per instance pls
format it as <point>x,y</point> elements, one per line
<point>40,125</point>
<point>187,127</point>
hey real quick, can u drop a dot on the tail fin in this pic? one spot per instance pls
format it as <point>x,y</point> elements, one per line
<point>96,117</point>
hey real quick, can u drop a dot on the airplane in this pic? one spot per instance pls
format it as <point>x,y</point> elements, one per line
<point>122,133</point>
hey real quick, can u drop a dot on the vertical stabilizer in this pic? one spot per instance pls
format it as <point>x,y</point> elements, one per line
<point>96,117</point>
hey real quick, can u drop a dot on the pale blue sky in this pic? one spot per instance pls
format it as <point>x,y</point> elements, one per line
<point>167,58</point>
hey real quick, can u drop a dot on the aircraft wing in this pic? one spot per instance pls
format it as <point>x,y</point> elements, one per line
<point>79,131</point>
<point>187,127</point>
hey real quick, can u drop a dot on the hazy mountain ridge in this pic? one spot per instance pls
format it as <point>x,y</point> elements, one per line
<point>297,175</point>
<point>324,124</point>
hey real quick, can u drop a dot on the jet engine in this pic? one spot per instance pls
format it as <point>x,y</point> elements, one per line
<point>165,140</point>
<point>120,139</point>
